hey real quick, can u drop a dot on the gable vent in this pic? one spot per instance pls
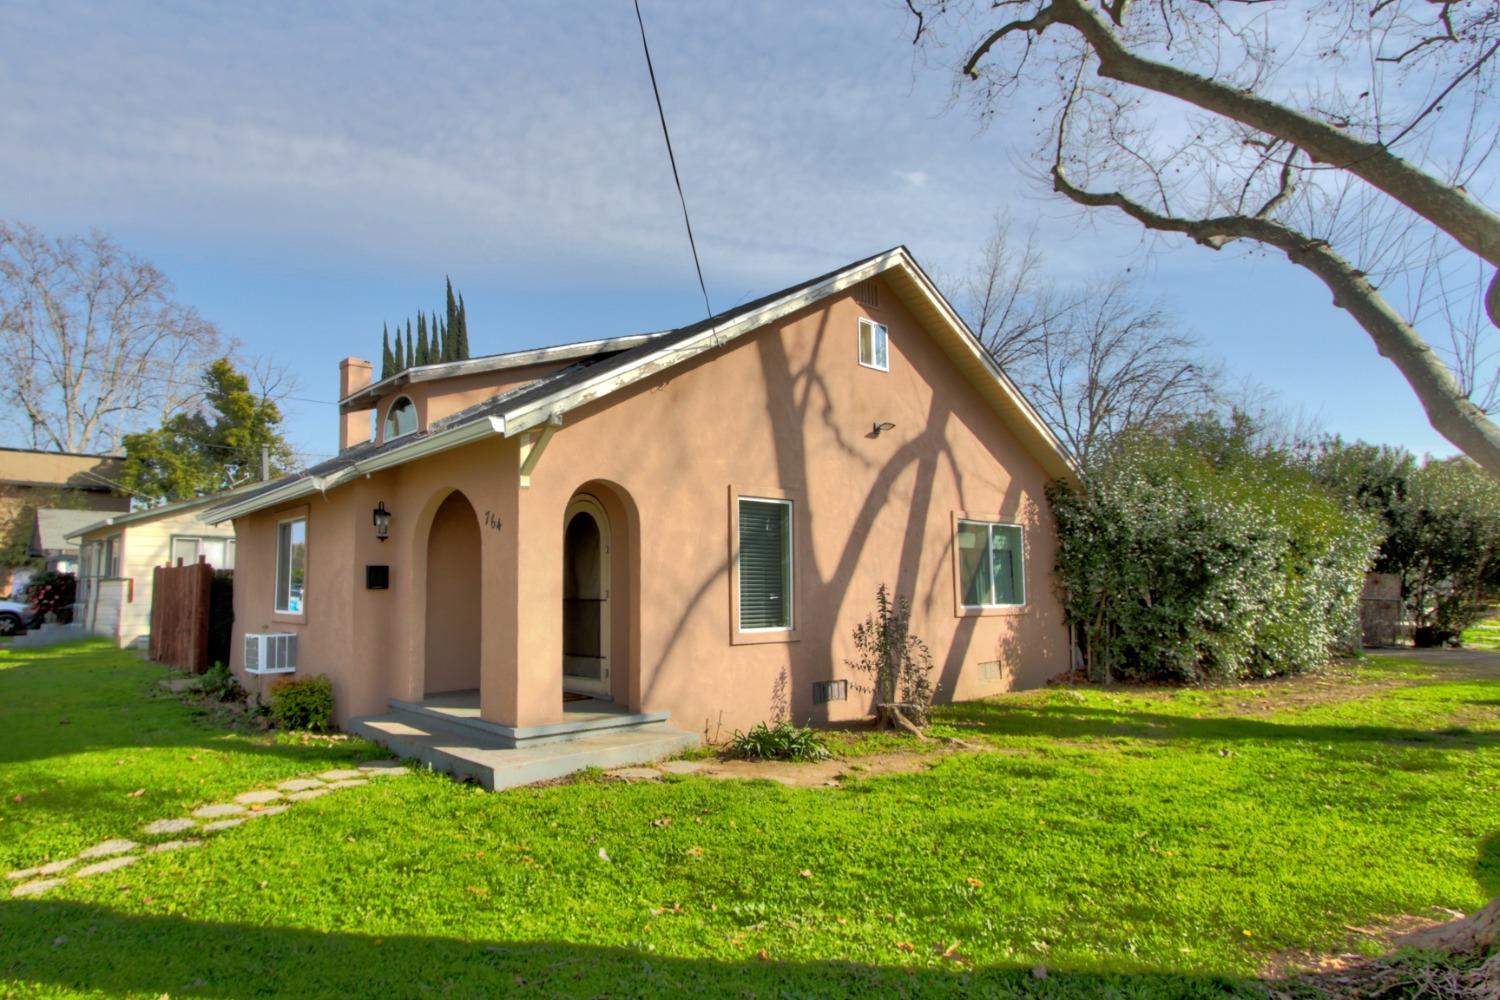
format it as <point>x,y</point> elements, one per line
<point>867,294</point>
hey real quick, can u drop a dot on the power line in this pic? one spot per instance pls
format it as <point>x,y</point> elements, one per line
<point>672,158</point>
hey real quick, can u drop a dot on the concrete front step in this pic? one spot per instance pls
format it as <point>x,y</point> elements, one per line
<point>493,733</point>
<point>466,753</point>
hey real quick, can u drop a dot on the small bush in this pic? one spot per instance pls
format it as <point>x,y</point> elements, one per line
<point>783,742</point>
<point>220,614</point>
<point>218,684</point>
<point>898,663</point>
<point>305,704</point>
<point>53,596</point>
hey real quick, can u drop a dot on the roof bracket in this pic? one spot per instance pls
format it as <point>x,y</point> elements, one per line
<point>533,443</point>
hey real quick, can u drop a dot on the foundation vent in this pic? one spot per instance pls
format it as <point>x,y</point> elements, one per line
<point>867,294</point>
<point>826,691</point>
<point>989,670</point>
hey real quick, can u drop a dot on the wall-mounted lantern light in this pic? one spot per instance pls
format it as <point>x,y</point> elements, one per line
<point>882,425</point>
<point>382,521</point>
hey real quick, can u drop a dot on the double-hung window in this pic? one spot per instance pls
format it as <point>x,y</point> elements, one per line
<point>291,566</point>
<point>217,552</point>
<point>874,345</point>
<point>991,573</point>
<point>765,565</point>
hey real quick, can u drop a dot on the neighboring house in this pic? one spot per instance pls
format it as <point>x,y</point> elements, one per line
<point>32,480</point>
<point>690,522</point>
<point>49,537</point>
<point>118,554</point>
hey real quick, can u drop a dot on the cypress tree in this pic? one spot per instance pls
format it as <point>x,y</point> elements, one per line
<point>411,343</point>
<point>422,338</point>
<point>387,359</point>
<point>397,358</point>
<point>450,345</point>
<point>461,336</point>
<point>447,340</point>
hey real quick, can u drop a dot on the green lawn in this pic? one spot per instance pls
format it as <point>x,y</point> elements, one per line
<point>1485,635</point>
<point>1136,843</point>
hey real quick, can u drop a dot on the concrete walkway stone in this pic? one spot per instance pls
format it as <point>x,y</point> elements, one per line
<point>54,867</point>
<point>172,845</point>
<point>219,810</point>
<point>21,873</point>
<point>634,774</point>
<point>349,782</point>
<point>308,793</point>
<point>259,797</point>
<point>267,811</point>
<point>169,826</point>
<point>342,774</point>
<point>300,784</point>
<point>223,824</point>
<point>108,848</point>
<point>386,772</point>
<point>41,885</point>
<point>113,864</point>
<point>680,766</point>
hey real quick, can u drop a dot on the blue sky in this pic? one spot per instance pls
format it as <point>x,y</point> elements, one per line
<point>305,172</point>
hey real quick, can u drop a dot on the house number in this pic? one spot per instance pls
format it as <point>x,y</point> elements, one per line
<point>491,521</point>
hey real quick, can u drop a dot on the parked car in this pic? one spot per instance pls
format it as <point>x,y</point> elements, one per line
<point>16,617</point>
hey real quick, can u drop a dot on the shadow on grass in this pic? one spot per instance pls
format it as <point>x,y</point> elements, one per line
<point>63,945</point>
<point>1487,866</point>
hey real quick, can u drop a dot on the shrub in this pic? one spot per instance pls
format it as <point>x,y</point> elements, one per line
<point>304,704</point>
<point>897,661</point>
<point>220,615</point>
<point>53,595</point>
<point>783,742</point>
<point>1179,563</point>
<point>219,684</point>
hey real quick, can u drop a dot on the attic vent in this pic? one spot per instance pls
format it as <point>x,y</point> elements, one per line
<point>826,691</point>
<point>867,294</point>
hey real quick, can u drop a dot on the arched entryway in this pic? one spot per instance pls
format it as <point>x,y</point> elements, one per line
<point>586,596</point>
<point>453,599</point>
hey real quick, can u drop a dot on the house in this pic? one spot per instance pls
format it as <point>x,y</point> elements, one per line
<point>49,541</point>
<point>31,480</point>
<point>685,525</point>
<point>118,554</point>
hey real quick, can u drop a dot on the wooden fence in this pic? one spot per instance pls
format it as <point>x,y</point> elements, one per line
<point>180,614</point>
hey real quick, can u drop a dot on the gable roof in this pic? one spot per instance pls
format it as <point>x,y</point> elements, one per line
<point>616,364</point>
<point>161,510</point>
<point>54,528</point>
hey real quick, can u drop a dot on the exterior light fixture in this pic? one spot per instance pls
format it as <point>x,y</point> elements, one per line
<point>882,425</point>
<point>382,518</point>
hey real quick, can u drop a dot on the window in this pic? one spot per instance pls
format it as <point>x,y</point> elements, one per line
<point>217,552</point>
<point>291,566</point>
<point>874,348</point>
<point>990,569</point>
<point>765,565</point>
<point>401,418</point>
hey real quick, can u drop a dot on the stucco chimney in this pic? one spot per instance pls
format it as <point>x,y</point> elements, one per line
<point>354,427</point>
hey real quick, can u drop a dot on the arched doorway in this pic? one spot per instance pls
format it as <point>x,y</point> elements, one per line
<point>586,588</point>
<point>453,599</point>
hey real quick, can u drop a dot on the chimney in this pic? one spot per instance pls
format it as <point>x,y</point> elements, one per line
<point>354,426</point>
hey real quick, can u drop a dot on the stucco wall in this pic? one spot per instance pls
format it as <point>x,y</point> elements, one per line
<point>785,412</point>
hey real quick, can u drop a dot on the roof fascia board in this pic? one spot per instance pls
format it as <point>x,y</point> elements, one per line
<point>308,485</point>
<point>555,405</point>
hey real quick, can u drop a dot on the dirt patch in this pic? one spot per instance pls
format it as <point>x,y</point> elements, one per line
<point>827,773</point>
<point>1384,931</point>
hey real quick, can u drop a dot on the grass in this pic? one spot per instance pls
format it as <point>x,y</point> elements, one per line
<point>1485,635</point>
<point>1135,842</point>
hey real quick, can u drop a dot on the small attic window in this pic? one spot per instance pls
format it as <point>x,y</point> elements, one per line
<point>867,294</point>
<point>401,418</point>
<point>874,346</point>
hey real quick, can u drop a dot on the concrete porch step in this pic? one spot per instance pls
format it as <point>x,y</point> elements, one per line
<point>468,753</point>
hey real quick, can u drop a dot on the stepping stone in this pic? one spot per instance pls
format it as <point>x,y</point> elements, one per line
<point>19,874</point>
<point>381,765</point>
<point>54,867</point>
<point>341,775</point>
<point>100,867</point>
<point>300,784</point>
<point>680,766</point>
<point>634,774</point>
<point>387,772</point>
<point>257,798</point>
<point>220,810</point>
<point>172,845</point>
<point>41,885</point>
<point>267,811</point>
<point>108,848</point>
<point>309,793</point>
<point>169,826</point>
<point>348,782</point>
<point>222,824</point>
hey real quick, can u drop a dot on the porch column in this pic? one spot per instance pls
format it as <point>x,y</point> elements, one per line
<point>539,576</point>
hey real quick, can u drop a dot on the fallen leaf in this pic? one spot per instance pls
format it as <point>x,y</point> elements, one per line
<point>805,873</point>
<point>695,851</point>
<point>974,883</point>
<point>665,821</point>
<point>136,794</point>
<point>905,946</point>
<point>603,855</point>
<point>763,955</point>
<point>18,799</point>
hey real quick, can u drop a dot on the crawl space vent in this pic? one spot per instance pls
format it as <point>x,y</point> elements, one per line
<point>826,691</point>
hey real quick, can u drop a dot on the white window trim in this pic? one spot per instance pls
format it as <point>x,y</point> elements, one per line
<point>415,419</point>
<point>991,525</point>
<point>883,332</point>
<point>276,573</point>
<point>791,565</point>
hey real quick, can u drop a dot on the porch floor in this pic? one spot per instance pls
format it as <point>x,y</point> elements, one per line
<point>465,705</point>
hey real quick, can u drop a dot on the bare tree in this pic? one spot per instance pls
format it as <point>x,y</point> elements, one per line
<point>1095,360</point>
<point>1355,139</point>
<point>92,342</point>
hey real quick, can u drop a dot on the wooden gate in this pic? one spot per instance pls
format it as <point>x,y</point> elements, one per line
<point>179,615</point>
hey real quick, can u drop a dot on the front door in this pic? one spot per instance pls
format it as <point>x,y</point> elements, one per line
<point>586,599</point>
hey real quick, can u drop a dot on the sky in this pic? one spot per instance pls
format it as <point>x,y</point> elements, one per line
<point>307,172</point>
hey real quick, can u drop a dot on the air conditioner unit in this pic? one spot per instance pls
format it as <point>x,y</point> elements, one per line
<point>271,653</point>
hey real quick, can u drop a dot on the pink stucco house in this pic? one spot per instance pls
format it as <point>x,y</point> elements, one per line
<point>677,528</point>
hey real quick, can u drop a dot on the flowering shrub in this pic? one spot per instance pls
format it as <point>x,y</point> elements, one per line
<point>53,593</point>
<point>1176,564</point>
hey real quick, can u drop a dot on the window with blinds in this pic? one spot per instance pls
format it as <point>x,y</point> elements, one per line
<point>765,566</point>
<point>989,564</point>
